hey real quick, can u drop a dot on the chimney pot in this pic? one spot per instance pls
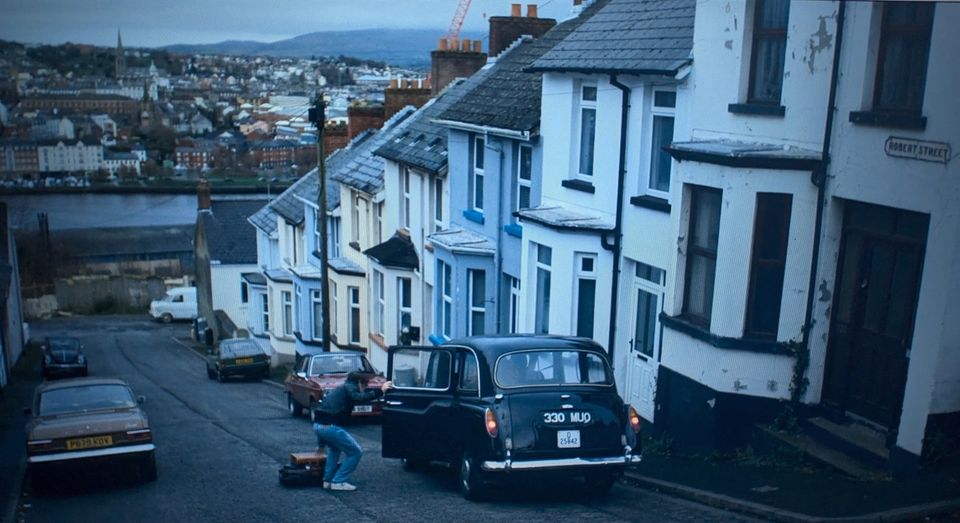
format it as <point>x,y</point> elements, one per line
<point>394,83</point>
<point>531,10</point>
<point>203,194</point>
<point>454,44</point>
<point>477,46</point>
<point>465,46</point>
<point>443,44</point>
<point>515,10</point>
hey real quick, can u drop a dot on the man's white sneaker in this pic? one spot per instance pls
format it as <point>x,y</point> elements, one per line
<point>326,484</point>
<point>342,486</point>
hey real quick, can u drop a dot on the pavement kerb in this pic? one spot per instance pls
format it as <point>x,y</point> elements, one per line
<point>200,356</point>
<point>13,501</point>
<point>724,502</point>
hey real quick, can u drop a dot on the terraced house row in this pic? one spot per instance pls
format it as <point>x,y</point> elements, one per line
<point>748,203</point>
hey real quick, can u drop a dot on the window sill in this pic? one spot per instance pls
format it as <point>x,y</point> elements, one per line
<point>473,216</point>
<point>514,230</point>
<point>378,340</point>
<point>579,185</point>
<point>757,109</point>
<point>894,120</point>
<point>693,330</point>
<point>651,202</point>
<point>355,246</point>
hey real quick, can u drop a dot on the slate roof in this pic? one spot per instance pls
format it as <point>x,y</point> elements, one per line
<point>397,252</point>
<point>424,143</point>
<point>363,170</point>
<point>627,36</point>
<point>463,241</point>
<point>116,242</point>
<point>229,239</point>
<point>508,97</point>
<point>562,218</point>
<point>254,278</point>
<point>344,265</point>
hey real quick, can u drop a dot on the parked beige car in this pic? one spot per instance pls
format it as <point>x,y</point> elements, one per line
<point>87,423</point>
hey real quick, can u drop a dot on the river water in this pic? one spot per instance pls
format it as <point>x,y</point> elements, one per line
<point>80,211</point>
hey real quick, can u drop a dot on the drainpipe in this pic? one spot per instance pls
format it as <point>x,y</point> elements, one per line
<point>498,261</point>
<point>617,244</point>
<point>819,176</point>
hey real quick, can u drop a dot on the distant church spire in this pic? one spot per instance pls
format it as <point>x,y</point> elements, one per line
<point>120,61</point>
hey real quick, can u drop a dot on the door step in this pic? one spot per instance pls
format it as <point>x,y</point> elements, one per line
<point>824,454</point>
<point>857,439</point>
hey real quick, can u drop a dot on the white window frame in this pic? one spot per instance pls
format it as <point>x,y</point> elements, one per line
<point>264,312</point>
<point>334,247</point>
<point>542,296</point>
<point>581,105</point>
<point>317,309</point>
<point>379,302</point>
<point>286,302</point>
<point>404,285</point>
<point>445,294</point>
<point>334,310</point>
<point>657,290</point>
<point>405,200</point>
<point>476,173</point>
<point>473,292</point>
<point>437,204</point>
<point>521,182</point>
<point>355,215</point>
<point>353,295</point>
<point>513,324</point>
<point>316,229</point>
<point>378,223</point>
<point>582,274</point>
<point>655,112</point>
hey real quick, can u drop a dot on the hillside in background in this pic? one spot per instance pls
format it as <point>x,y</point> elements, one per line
<point>401,47</point>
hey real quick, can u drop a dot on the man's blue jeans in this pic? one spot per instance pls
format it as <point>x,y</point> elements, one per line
<point>338,441</point>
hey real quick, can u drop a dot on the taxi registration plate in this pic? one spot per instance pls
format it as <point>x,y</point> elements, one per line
<point>244,361</point>
<point>363,409</point>
<point>89,443</point>
<point>568,439</point>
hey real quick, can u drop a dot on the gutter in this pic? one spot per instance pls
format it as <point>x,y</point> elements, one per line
<point>484,129</point>
<point>617,244</point>
<point>819,177</point>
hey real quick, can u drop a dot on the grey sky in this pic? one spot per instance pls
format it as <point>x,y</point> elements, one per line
<point>163,22</point>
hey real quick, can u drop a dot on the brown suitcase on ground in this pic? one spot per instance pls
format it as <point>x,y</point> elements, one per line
<point>305,468</point>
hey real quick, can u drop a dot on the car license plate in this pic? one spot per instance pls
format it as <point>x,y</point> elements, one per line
<point>568,439</point>
<point>363,409</point>
<point>89,443</point>
<point>244,361</point>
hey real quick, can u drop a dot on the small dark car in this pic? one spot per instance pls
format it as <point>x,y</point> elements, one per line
<point>315,374</point>
<point>510,406</point>
<point>238,357</point>
<point>62,358</point>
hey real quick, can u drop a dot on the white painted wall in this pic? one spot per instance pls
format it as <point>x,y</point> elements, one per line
<point>225,288</point>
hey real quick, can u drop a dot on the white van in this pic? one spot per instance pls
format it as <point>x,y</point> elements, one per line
<point>180,303</point>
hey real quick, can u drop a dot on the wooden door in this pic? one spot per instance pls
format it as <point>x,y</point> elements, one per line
<point>878,280</point>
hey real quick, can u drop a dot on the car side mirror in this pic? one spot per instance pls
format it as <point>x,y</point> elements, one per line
<point>302,375</point>
<point>141,399</point>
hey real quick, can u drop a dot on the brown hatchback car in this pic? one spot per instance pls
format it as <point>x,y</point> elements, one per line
<point>86,422</point>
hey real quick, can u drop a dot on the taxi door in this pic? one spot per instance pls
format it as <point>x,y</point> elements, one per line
<point>416,409</point>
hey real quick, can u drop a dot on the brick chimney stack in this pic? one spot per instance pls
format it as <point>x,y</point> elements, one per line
<point>504,30</point>
<point>403,92</point>
<point>363,117</point>
<point>454,59</point>
<point>203,195</point>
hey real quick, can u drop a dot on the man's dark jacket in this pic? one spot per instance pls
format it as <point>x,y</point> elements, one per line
<point>338,403</point>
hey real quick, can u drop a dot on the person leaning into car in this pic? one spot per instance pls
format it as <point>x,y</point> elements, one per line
<point>330,416</point>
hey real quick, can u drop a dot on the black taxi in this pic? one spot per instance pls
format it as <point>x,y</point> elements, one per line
<point>501,406</point>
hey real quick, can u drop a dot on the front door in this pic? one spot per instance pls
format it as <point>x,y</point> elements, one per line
<point>644,354</point>
<point>878,280</point>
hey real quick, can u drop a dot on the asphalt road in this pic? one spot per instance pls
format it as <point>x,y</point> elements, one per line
<point>220,447</point>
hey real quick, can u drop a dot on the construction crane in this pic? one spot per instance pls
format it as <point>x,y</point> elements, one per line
<point>453,32</point>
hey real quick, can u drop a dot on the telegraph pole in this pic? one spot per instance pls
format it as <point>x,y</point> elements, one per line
<point>318,117</point>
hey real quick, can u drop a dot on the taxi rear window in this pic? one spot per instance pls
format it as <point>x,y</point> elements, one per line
<point>551,368</point>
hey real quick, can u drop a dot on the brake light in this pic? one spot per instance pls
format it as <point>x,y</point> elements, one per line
<point>490,422</point>
<point>140,434</point>
<point>634,418</point>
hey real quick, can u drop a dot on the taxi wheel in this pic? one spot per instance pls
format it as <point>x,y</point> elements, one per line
<point>471,479</point>
<point>292,407</point>
<point>600,483</point>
